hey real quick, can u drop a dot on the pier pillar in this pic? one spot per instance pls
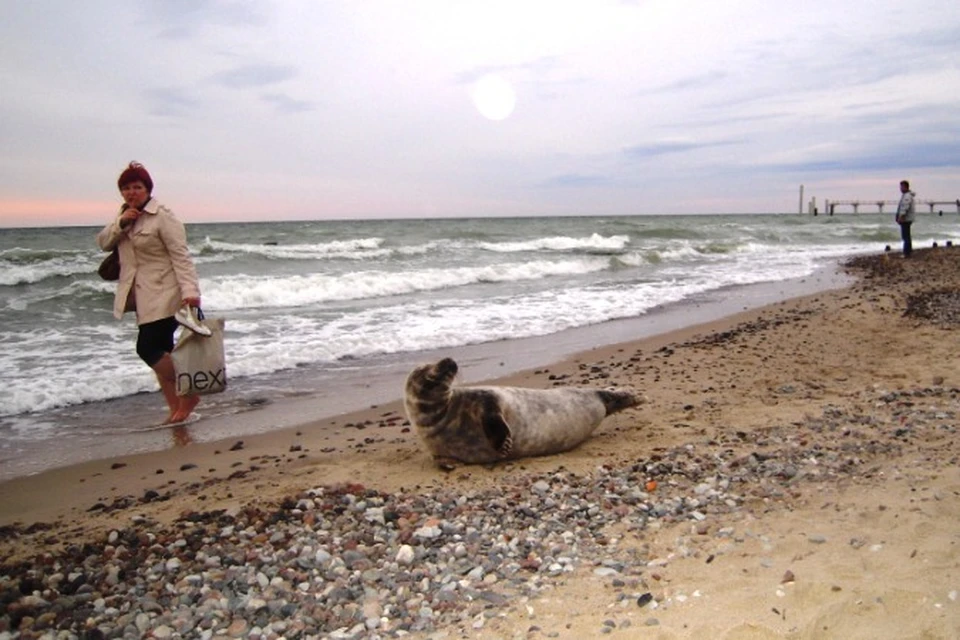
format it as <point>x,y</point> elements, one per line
<point>856,207</point>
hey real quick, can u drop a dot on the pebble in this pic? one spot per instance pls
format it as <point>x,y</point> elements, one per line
<point>348,561</point>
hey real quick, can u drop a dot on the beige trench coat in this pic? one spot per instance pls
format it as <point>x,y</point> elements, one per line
<point>155,263</point>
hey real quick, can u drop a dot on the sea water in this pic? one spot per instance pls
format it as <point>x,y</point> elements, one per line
<point>307,303</point>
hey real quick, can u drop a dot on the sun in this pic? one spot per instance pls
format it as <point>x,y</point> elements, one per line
<point>494,97</point>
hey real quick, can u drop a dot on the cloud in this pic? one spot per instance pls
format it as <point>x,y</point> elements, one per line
<point>690,82</point>
<point>185,19</point>
<point>286,104</point>
<point>699,98</point>
<point>575,180</point>
<point>254,75</point>
<point>169,101</point>
<point>644,151</point>
<point>888,158</point>
<point>536,67</point>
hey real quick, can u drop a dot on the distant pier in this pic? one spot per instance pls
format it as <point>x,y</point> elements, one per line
<point>830,206</point>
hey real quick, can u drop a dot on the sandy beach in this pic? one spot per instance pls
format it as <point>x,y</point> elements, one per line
<point>794,474</point>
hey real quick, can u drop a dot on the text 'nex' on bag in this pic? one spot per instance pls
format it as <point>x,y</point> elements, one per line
<point>199,362</point>
<point>109,269</point>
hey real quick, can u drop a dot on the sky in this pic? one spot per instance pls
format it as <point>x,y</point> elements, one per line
<point>288,109</point>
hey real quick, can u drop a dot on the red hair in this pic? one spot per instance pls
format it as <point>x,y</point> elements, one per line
<point>135,172</point>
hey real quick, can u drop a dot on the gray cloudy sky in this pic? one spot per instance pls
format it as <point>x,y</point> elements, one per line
<point>319,109</point>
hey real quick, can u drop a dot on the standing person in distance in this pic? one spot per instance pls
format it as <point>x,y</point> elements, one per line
<point>905,215</point>
<point>157,277</point>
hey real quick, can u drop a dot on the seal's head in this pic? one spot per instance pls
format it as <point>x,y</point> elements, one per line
<point>428,391</point>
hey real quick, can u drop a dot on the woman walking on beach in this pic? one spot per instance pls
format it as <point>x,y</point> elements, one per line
<point>157,277</point>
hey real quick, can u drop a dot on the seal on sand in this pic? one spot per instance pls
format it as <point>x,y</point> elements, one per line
<point>476,425</point>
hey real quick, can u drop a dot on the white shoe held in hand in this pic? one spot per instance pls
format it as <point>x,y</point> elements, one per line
<point>190,317</point>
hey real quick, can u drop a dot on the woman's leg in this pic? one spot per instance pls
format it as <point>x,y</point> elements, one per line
<point>180,406</point>
<point>167,378</point>
<point>154,344</point>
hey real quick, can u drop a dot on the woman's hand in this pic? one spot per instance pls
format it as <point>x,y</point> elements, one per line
<point>128,217</point>
<point>193,302</point>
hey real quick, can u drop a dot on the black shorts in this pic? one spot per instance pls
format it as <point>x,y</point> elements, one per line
<point>156,339</point>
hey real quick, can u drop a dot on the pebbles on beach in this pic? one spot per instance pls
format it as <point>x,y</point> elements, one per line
<point>348,561</point>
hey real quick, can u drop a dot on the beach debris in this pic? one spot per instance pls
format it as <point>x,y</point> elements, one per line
<point>940,306</point>
<point>349,558</point>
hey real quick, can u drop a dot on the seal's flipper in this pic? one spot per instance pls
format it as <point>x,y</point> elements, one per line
<point>498,433</point>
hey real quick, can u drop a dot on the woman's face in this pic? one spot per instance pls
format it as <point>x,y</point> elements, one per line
<point>135,194</point>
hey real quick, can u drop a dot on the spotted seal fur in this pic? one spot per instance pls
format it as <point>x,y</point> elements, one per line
<point>484,424</point>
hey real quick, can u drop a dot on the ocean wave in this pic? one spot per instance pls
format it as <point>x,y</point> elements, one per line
<point>358,248</point>
<point>241,292</point>
<point>21,271</point>
<point>593,244</point>
<point>76,292</point>
<point>414,326</point>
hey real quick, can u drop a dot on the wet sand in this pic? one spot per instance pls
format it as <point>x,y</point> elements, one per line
<point>795,475</point>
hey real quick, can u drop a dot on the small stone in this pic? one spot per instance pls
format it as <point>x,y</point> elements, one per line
<point>237,627</point>
<point>161,632</point>
<point>405,555</point>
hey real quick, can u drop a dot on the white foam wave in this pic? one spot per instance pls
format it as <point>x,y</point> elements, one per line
<point>595,242</point>
<point>77,368</point>
<point>409,327</point>
<point>352,249</point>
<point>244,292</point>
<point>13,274</point>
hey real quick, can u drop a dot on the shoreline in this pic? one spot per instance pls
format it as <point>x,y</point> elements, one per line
<point>287,400</point>
<point>795,473</point>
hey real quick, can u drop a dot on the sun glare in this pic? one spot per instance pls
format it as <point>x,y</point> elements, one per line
<point>494,97</point>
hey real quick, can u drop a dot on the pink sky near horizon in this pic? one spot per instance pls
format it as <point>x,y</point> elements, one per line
<point>54,212</point>
<point>275,110</point>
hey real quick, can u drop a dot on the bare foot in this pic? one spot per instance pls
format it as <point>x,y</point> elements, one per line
<point>187,405</point>
<point>181,436</point>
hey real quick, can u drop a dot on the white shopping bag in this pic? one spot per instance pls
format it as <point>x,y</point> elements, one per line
<point>199,361</point>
